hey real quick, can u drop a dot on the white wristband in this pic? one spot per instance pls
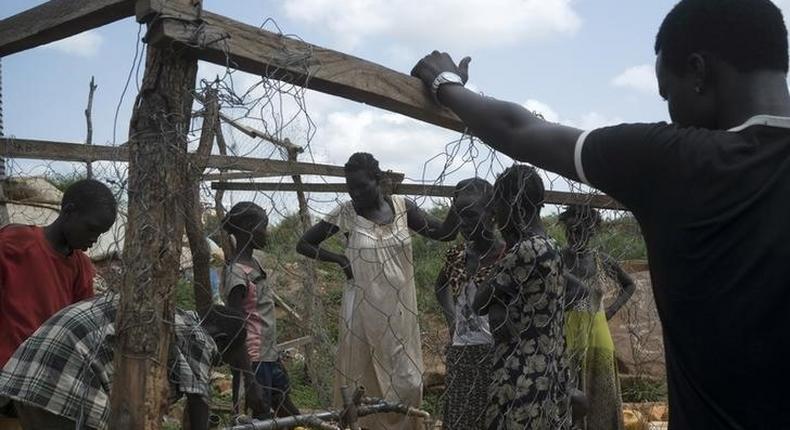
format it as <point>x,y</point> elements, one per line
<point>444,78</point>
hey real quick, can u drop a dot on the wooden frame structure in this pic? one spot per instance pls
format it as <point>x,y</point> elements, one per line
<point>179,33</point>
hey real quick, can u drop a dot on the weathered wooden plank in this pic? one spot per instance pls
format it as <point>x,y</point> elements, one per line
<point>230,176</point>
<point>224,41</point>
<point>66,151</point>
<point>12,147</point>
<point>58,19</point>
<point>552,197</point>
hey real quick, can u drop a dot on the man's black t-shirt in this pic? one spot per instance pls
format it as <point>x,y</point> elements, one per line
<point>714,208</point>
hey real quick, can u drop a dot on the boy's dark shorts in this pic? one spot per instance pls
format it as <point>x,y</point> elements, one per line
<point>272,377</point>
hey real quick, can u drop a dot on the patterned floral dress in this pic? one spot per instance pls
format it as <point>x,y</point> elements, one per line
<point>529,388</point>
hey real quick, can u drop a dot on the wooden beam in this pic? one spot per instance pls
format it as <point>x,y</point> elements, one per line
<point>226,42</point>
<point>66,151</point>
<point>12,147</point>
<point>552,197</point>
<point>230,176</point>
<point>58,19</point>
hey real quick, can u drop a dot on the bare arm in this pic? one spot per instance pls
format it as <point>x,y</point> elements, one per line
<point>483,298</point>
<point>445,298</point>
<point>310,246</point>
<point>507,127</point>
<point>236,297</point>
<point>429,226</point>
<point>627,285</point>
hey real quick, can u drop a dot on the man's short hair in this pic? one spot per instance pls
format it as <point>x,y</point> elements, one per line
<point>750,35</point>
<point>88,194</point>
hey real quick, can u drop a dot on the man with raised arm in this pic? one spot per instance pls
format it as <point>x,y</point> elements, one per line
<point>711,192</point>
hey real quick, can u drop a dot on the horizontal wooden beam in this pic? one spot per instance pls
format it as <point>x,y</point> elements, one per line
<point>394,177</point>
<point>11,147</point>
<point>231,176</point>
<point>552,197</point>
<point>63,151</point>
<point>227,42</point>
<point>58,19</point>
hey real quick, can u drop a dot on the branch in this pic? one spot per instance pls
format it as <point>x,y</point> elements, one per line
<point>254,133</point>
<point>89,138</point>
<point>196,235</point>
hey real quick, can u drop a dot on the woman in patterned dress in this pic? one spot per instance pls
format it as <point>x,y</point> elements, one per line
<point>379,336</point>
<point>466,267</point>
<point>524,302</point>
<point>590,346</point>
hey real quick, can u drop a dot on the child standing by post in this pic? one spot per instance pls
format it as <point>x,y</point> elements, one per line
<point>245,287</point>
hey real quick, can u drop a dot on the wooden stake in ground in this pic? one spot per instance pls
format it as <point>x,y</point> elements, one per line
<point>224,238</point>
<point>89,138</point>
<point>4,218</point>
<point>152,252</point>
<point>201,256</point>
<point>319,347</point>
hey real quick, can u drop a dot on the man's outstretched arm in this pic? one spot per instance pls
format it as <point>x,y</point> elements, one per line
<point>506,127</point>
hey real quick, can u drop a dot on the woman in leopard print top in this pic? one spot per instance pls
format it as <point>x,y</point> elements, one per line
<point>466,266</point>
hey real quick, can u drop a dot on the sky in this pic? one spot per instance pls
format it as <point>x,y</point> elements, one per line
<point>587,63</point>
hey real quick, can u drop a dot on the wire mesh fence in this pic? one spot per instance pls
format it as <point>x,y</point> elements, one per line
<point>455,309</point>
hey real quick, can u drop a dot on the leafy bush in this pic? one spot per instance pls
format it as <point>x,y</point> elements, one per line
<point>643,389</point>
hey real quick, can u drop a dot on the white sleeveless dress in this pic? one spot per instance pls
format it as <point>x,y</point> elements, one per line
<point>379,336</point>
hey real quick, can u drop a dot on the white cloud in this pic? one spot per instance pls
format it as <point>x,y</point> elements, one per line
<point>593,120</point>
<point>641,78</point>
<point>588,121</point>
<point>448,24</point>
<point>85,44</point>
<point>542,108</point>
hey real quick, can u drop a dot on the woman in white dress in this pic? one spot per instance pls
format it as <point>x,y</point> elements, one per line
<point>379,337</point>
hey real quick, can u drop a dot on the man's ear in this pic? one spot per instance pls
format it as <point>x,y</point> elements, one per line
<point>700,68</point>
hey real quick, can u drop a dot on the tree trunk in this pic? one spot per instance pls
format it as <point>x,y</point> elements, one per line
<point>201,255</point>
<point>155,225</point>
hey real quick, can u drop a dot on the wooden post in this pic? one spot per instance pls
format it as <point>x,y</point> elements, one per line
<point>152,252</point>
<point>224,237</point>
<point>89,138</point>
<point>201,256</point>
<point>320,374</point>
<point>4,218</point>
